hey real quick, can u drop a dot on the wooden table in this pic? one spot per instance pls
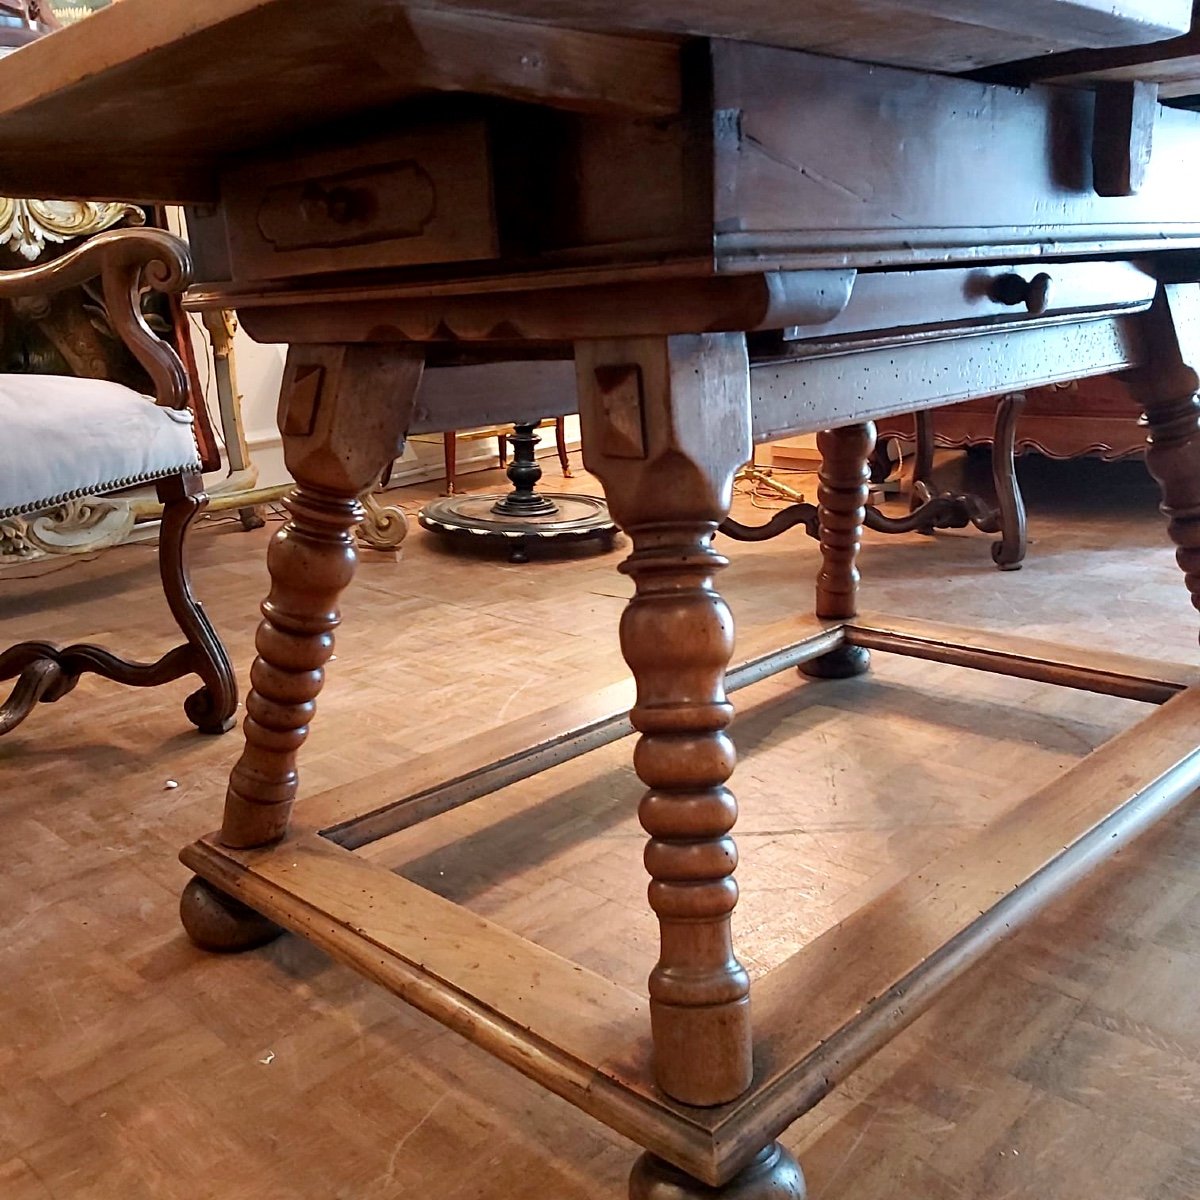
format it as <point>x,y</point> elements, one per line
<point>733,242</point>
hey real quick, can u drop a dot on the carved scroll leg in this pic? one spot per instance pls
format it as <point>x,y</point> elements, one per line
<point>344,412</point>
<point>666,425</point>
<point>842,503</point>
<point>36,681</point>
<point>1009,552</point>
<point>1167,388</point>
<point>212,708</point>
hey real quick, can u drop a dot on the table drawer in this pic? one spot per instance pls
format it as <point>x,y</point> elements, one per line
<point>422,197</point>
<point>954,299</point>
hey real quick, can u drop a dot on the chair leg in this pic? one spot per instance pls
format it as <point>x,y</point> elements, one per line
<point>1009,552</point>
<point>212,708</point>
<point>560,440</point>
<point>450,445</point>
<point>922,460</point>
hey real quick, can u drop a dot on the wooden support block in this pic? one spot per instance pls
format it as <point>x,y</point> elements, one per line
<point>1123,136</point>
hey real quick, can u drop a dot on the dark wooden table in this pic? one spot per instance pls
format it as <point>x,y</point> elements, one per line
<point>730,242</point>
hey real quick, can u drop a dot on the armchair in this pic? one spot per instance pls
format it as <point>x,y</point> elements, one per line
<point>62,438</point>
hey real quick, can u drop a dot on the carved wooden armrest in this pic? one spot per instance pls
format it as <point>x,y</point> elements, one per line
<point>126,261</point>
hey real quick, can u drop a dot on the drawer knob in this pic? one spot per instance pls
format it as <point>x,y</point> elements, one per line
<point>1034,293</point>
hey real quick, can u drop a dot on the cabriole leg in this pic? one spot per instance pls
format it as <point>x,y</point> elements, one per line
<point>212,709</point>
<point>344,412</point>
<point>842,494</point>
<point>666,425</point>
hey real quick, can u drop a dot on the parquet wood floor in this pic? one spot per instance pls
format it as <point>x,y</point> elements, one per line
<point>133,1067</point>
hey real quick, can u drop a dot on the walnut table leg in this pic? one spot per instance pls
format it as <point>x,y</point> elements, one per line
<point>842,507</point>
<point>344,413</point>
<point>1167,388</point>
<point>666,425</point>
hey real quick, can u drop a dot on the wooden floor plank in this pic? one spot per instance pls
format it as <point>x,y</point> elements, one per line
<point>862,977</point>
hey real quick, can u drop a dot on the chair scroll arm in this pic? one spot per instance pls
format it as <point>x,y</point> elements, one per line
<point>127,262</point>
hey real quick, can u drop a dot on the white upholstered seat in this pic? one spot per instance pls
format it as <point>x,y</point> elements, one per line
<point>62,437</point>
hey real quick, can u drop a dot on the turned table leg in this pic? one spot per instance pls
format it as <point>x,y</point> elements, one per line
<point>666,425</point>
<point>842,494</point>
<point>343,413</point>
<point>1167,388</point>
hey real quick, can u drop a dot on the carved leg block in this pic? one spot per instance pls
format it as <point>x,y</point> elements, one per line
<point>842,494</point>
<point>774,1175</point>
<point>217,922</point>
<point>666,426</point>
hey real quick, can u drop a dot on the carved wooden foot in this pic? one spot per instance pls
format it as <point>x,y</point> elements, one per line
<point>842,508</point>
<point>217,922</point>
<point>774,1175</point>
<point>843,663</point>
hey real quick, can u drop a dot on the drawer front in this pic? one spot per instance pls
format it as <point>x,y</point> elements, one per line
<point>402,201</point>
<point>957,299</point>
<point>819,162</point>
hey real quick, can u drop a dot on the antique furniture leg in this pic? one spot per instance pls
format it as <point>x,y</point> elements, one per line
<point>666,427</point>
<point>1009,552</point>
<point>212,708</point>
<point>450,447</point>
<point>343,413</point>
<point>1167,388</point>
<point>922,460</point>
<point>46,673</point>
<point>842,505</point>
<point>221,325</point>
<point>560,441</point>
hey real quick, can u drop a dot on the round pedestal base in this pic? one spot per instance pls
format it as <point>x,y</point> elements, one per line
<point>571,519</point>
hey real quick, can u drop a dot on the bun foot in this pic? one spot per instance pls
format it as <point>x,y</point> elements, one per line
<point>217,922</point>
<point>773,1175</point>
<point>843,663</point>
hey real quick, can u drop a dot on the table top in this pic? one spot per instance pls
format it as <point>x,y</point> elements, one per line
<point>154,92</point>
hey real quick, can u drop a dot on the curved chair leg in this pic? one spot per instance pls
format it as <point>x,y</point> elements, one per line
<point>1009,552</point>
<point>211,709</point>
<point>560,440</point>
